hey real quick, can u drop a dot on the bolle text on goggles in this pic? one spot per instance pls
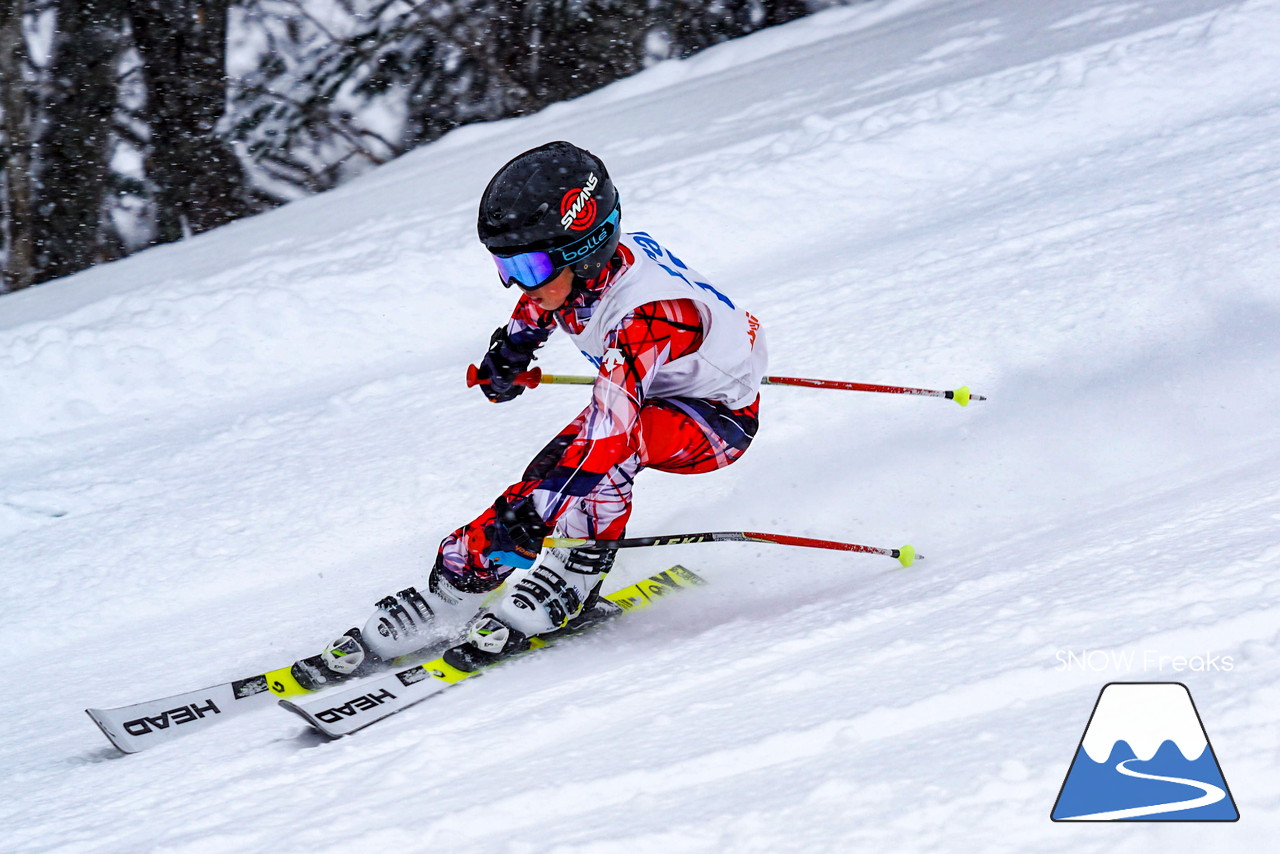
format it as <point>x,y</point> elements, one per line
<point>531,270</point>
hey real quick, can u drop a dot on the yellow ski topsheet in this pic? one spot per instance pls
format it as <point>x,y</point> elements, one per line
<point>642,593</point>
<point>282,684</point>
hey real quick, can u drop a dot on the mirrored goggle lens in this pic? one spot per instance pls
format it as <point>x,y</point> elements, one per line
<point>528,270</point>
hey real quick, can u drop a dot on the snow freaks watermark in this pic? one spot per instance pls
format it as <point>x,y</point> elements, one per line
<point>1145,661</point>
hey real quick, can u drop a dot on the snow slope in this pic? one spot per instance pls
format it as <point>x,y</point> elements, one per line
<point>216,454</point>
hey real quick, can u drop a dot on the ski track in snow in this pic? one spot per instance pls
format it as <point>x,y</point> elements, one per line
<point>216,454</point>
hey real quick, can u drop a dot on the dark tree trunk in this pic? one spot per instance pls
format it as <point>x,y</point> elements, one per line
<point>781,11</point>
<point>75,147</point>
<point>696,25</point>
<point>199,182</point>
<point>553,50</point>
<point>18,209</point>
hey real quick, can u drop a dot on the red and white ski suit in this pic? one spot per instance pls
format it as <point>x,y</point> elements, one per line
<point>678,390</point>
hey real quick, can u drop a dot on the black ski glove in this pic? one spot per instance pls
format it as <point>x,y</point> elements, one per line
<point>499,367</point>
<point>515,537</point>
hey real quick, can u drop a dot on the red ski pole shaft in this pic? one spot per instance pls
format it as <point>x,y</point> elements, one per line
<point>905,555</point>
<point>960,395</point>
<point>535,377</point>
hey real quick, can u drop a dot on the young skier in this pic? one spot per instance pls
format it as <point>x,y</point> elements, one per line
<point>677,389</point>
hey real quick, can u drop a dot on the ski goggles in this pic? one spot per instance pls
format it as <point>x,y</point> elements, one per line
<point>531,270</point>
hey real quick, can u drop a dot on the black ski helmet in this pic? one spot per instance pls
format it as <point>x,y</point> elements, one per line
<point>556,198</point>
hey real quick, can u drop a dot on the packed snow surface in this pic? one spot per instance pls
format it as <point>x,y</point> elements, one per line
<point>216,455</point>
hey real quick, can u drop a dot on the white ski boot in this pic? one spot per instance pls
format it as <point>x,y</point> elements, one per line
<point>400,625</point>
<point>559,593</point>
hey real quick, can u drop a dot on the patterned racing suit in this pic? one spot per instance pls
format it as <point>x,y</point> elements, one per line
<point>650,350</point>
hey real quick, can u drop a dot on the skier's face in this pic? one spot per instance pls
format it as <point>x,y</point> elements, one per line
<point>552,295</point>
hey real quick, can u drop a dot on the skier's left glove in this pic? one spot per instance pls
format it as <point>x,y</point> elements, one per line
<point>516,533</point>
<point>498,369</point>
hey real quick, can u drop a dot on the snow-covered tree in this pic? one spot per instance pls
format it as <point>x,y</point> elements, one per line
<point>125,123</point>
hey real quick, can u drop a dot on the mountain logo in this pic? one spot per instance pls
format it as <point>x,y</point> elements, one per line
<point>1145,756</point>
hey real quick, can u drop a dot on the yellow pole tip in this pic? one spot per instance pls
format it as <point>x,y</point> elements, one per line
<point>907,555</point>
<point>961,395</point>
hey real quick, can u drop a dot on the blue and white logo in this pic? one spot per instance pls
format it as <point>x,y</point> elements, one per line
<point>1145,756</point>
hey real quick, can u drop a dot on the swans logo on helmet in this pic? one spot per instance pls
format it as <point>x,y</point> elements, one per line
<point>577,208</point>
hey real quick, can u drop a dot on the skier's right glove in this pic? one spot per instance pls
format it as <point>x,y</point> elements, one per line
<point>498,369</point>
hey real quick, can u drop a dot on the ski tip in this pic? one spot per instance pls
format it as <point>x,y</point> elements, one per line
<point>316,726</point>
<point>99,717</point>
<point>907,555</point>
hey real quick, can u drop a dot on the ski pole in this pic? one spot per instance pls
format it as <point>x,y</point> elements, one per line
<point>960,395</point>
<point>905,555</point>
<point>535,377</point>
<point>530,379</point>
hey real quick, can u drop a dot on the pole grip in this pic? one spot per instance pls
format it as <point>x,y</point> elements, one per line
<point>529,379</point>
